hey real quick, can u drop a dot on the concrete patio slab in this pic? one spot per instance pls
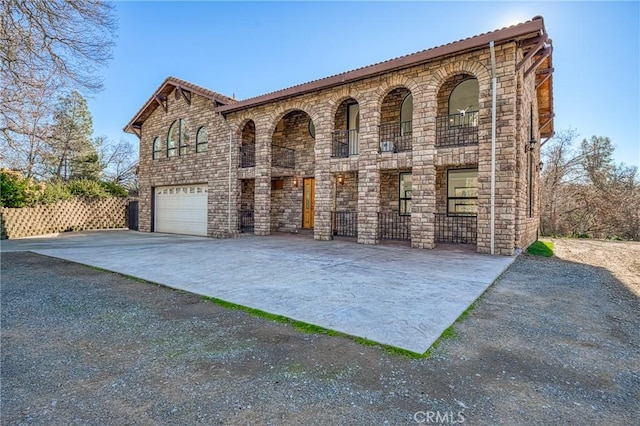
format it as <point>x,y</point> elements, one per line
<point>386,293</point>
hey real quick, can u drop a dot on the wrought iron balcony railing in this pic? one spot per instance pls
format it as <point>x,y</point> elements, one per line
<point>245,220</point>
<point>456,229</point>
<point>457,129</point>
<point>283,157</point>
<point>396,137</point>
<point>393,226</point>
<point>344,143</point>
<point>345,223</point>
<point>247,156</point>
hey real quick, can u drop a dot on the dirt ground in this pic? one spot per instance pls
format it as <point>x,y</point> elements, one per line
<point>621,258</point>
<point>553,341</point>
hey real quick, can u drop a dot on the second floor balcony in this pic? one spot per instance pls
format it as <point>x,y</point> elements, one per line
<point>396,137</point>
<point>457,129</point>
<point>344,143</point>
<point>280,156</point>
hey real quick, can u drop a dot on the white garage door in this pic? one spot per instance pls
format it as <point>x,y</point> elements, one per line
<point>181,209</point>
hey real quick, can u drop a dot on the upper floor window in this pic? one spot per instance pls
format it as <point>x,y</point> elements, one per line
<point>183,140</point>
<point>172,139</point>
<point>157,148</point>
<point>177,138</point>
<point>406,115</point>
<point>202,140</point>
<point>463,103</point>
<point>462,192</point>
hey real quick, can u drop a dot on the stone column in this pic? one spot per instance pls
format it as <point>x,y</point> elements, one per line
<point>324,183</point>
<point>262,204</point>
<point>368,173</point>
<point>423,207</point>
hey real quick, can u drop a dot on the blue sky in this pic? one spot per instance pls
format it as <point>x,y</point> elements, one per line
<point>252,48</point>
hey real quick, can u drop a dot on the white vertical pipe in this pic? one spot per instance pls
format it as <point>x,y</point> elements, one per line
<point>494,84</point>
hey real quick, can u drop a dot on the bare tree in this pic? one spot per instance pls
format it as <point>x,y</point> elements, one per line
<point>118,161</point>
<point>26,130</point>
<point>63,41</point>
<point>47,47</point>
<point>584,193</point>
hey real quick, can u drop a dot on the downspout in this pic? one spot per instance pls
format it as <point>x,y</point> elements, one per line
<point>229,189</point>
<point>494,83</point>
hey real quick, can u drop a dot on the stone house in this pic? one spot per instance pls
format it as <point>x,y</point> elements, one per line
<point>439,146</point>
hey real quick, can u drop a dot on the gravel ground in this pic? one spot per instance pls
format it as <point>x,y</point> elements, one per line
<point>553,341</point>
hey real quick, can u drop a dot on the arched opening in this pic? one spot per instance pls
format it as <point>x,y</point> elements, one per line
<point>346,129</point>
<point>292,172</point>
<point>247,155</point>
<point>396,121</point>
<point>458,109</point>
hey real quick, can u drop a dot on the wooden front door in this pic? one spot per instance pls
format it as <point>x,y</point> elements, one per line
<point>309,202</point>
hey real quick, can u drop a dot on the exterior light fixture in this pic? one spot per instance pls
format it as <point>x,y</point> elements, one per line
<point>295,182</point>
<point>340,180</point>
<point>532,143</point>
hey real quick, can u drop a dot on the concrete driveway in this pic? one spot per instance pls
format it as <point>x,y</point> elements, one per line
<point>390,294</point>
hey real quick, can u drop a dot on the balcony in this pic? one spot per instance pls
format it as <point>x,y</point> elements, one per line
<point>457,129</point>
<point>247,156</point>
<point>283,157</point>
<point>396,137</point>
<point>344,143</point>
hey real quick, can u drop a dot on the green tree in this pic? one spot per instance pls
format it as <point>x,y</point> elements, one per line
<point>73,154</point>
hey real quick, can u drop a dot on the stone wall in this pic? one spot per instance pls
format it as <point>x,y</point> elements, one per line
<point>73,215</point>
<point>379,99</point>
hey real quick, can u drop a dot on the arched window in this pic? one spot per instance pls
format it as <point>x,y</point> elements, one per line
<point>464,97</point>
<point>157,148</point>
<point>406,115</point>
<point>202,139</point>
<point>183,139</point>
<point>172,139</point>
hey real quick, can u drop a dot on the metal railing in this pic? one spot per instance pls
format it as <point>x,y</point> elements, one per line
<point>456,229</point>
<point>345,223</point>
<point>392,226</point>
<point>283,157</point>
<point>247,156</point>
<point>245,220</point>
<point>457,129</point>
<point>344,143</point>
<point>396,137</point>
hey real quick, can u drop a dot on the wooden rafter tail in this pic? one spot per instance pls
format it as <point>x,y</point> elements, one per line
<point>545,53</point>
<point>540,41</point>
<point>162,101</point>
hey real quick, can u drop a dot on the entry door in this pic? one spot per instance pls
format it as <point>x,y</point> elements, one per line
<point>309,202</point>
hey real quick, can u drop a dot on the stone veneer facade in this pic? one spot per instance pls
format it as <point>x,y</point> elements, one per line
<point>370,178</point>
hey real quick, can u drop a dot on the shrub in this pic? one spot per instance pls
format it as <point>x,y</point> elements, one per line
<point>53,192</point>
<point>114,189</point>
<point>16,190</point>
<point>86,188</point>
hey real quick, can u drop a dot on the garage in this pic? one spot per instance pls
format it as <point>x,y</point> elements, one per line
<point>181,209</point>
